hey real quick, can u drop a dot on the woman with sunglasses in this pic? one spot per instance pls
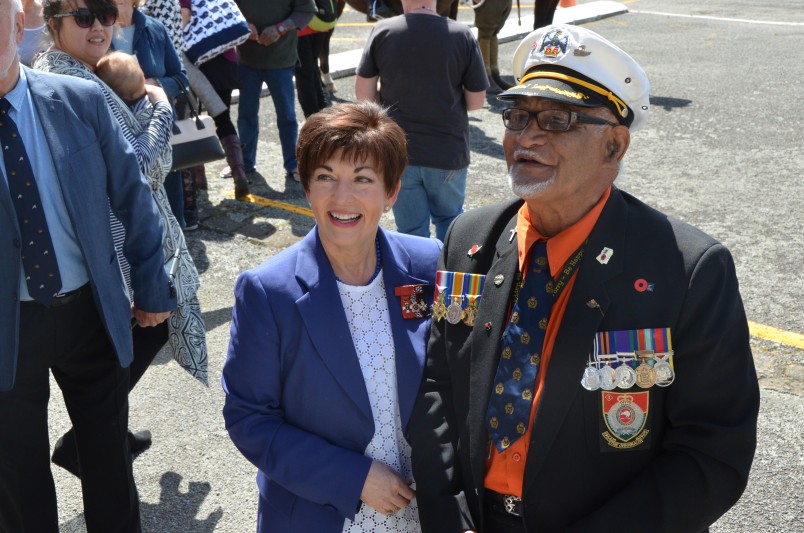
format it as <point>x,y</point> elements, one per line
<point>82,34</point>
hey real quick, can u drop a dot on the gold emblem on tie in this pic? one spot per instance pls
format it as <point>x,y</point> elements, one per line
<point>514,317</point>
<point>532,303</point>
<point>525,338</point>
<point>506,353</point>
<point>527,394</point>
<point>534,359</point>
<point>517,374</point>
<point>543,324</point>
<point>494,423</point>
<point>520,428</point>
<point>509,408</point>
<point>499,388</point>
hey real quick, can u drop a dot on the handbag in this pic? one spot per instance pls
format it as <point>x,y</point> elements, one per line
<point>215,26</point>
<point>194,139</point>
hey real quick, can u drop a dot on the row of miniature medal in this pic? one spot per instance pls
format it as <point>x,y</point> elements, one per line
<point>616,371</point>
<point>455,312</point>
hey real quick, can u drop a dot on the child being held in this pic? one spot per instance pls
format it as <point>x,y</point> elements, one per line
<point>122,73</point>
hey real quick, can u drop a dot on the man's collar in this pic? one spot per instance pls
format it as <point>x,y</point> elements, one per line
<point>16,96</point>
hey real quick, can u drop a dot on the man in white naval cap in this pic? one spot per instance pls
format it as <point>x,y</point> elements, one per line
<point>589,366</point>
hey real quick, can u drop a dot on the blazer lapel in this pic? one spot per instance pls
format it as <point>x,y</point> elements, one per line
<point>52,117</point>
<point>409,335</point>
<point>585,311</point>
<point>485,341</point>
<point>325,320</point>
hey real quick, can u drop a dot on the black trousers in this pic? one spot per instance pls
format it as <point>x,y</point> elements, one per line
<point>308,76</point>
<point>71,342</point>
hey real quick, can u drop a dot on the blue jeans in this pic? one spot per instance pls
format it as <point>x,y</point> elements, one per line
<point>429,194</point>
<point>280,83</point>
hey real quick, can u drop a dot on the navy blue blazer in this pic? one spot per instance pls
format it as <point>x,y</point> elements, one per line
<point>296,403</point>
<point>96,168</point>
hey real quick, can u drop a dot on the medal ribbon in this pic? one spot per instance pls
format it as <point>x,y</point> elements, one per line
<point>631,340</point>
<point>458,284</point>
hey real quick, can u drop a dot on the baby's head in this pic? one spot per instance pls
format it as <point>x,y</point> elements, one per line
<point>123,74</point>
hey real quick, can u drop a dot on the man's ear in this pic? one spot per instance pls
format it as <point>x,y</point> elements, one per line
<point>619,142</point>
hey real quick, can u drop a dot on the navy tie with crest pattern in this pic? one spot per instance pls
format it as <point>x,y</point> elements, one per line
<point>508,412</point>
<point>38,257</point>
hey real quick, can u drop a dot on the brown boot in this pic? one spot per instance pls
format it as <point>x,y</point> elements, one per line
<point>234,157</point>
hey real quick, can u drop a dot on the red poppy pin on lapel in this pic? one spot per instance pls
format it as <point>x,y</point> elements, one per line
<point>473,250</point>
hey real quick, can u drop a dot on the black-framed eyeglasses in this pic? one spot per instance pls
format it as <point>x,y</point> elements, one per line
<point>517,119</point>
<point>85,18</point>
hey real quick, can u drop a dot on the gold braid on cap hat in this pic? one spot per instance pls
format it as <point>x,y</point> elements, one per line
<point>621,106</point>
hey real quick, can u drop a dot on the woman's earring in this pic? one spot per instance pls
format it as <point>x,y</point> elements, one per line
<point>386,208</point>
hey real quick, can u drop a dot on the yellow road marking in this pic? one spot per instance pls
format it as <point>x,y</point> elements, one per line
<point>267,202</point>
<point>788,338</point>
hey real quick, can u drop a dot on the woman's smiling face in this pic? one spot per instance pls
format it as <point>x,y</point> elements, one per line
<point>348,198</point>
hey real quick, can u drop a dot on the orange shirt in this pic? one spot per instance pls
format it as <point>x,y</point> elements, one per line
<point>505,471</point>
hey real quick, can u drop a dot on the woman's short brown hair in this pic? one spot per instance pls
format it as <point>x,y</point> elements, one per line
<point>361,131</point>
<point>54,7</point>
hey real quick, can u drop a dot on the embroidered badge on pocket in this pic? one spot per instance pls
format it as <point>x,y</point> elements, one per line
<point>625,421</point>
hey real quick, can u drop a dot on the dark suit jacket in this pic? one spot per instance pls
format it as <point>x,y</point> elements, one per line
<point>96,168</point>
<point>296,402</point>
<point>695,461</point>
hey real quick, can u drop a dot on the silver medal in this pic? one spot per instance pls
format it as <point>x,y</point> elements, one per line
<point>454,311</point>
<point>591,378</point>
<point>624,376</point>
<point>664,373</point>
<point>607,381</point>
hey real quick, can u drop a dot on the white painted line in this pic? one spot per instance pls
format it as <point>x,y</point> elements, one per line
<point>721,19</point>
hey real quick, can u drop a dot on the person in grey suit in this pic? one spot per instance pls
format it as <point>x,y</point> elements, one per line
<point>606,381</point>
<point>64,306</point>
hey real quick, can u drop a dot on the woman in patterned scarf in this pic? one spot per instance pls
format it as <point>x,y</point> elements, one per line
<point>82,31</point>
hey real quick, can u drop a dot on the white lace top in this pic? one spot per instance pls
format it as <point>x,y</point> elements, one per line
<point>370,324</point>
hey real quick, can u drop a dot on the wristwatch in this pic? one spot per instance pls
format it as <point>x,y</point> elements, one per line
<point>281,28</point>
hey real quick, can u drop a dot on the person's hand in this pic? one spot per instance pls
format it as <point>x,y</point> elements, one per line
<point>156,94</point>
<point>254,35</point>
<point>269,35</point>
<point>147,320</point>
<point>385,490</point>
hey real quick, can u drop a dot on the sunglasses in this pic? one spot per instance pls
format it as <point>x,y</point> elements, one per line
<point>85,18</point>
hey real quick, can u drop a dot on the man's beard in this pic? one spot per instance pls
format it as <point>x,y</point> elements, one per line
<point>528,189</point>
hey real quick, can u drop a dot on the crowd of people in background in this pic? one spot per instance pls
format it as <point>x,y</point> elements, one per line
<point>359,357</point>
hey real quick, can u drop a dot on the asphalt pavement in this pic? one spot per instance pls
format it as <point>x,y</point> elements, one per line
<point>722,151</point>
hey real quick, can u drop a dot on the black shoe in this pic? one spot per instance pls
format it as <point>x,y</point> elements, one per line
<point>65,455</point>
<point>501,83</point>
<point>140,441</point>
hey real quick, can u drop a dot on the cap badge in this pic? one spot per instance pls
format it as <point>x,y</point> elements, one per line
<point>554,43</point>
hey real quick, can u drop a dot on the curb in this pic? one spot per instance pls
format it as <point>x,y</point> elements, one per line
<point>344,64</point>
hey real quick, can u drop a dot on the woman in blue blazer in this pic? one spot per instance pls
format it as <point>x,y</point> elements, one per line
<point>328,340</point>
